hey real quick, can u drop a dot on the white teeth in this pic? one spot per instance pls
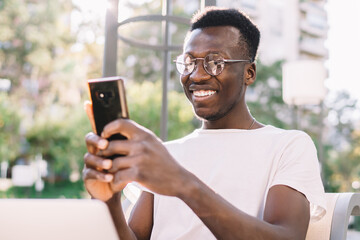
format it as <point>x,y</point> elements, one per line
<point>203,93</point>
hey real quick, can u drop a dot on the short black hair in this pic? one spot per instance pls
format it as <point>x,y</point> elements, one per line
<point>215,16</point>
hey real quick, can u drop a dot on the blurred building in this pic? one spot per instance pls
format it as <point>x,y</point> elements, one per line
<point>291,29</point>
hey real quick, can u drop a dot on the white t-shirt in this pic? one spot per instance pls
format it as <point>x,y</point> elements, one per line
<point>241,166</point>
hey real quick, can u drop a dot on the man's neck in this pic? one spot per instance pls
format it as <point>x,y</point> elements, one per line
<point>234,120</point>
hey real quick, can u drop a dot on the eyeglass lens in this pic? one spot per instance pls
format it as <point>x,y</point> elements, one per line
<point>212,63</point>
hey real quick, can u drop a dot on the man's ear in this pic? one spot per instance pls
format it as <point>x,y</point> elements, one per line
<point>250,74</point>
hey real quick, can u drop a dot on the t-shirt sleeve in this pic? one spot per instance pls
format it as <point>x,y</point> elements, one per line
<point>298,168</point>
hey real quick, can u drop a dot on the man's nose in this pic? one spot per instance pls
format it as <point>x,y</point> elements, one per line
<point>199,74</point>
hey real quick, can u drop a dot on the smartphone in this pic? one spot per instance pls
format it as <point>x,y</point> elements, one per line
<point>108,102</point>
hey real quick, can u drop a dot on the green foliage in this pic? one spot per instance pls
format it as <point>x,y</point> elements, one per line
<point>355,224</point>
<point>145,108</point>
<point>9,129</point>
<point>31,37</point>
<point>345,165</point>
<point>63,189</point>
<point>60,137</point>
<point>48,79</point>
<point>328,172</point>
<point>343,159</point>
<point>268,106</point>
<point>340,109</point>
<point>61,142</point>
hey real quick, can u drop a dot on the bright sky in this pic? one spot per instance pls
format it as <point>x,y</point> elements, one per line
<point>344,46</point>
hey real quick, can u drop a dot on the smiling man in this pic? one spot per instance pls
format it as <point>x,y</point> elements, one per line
<point>234,178</point>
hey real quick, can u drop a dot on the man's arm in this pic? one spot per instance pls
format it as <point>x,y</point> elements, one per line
<point>286,214</point>
<point>289,209</point>
<point>140,222</point>
<point>141,218</point>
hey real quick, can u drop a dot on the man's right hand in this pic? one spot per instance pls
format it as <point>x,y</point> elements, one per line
<point>97,182</point>
<point>100,184</point>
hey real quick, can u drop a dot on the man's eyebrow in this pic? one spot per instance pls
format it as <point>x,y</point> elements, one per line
<point>207,53</point>
<point>188,53</point>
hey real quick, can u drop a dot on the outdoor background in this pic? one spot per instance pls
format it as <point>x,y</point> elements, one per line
<point>48,49</point>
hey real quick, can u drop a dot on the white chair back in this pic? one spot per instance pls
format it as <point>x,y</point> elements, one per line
<point>334,225</point>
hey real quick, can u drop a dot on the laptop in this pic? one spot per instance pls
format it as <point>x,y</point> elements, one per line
<point>55,219</point>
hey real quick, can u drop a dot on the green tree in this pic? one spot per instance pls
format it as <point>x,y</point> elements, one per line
<point>9,129</point>
<point>61,142</point>
<point>145,108</point>
<point>264,97</point>
<point>33,35</point>
<point>343,155</point>
<point>48,80</point>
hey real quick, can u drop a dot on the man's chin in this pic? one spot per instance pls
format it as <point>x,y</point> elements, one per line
<point>208,116</point>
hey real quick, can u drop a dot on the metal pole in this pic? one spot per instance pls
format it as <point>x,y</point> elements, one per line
<point>206,3</point>
<point>110,47</point>
<point>166,10</point>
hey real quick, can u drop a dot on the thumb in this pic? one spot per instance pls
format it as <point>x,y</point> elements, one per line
<point>89,112</point>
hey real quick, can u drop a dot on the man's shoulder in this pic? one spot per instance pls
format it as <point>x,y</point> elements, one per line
<point>180,140</point>
<point>289,136</point>
<point>285,132</point>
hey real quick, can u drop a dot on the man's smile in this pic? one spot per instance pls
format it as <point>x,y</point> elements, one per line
<point>203,93</point>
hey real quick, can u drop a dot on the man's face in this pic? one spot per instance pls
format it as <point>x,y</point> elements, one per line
<point>213,97</point>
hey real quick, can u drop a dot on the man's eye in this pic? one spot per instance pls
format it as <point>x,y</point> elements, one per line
<point>214,63</point>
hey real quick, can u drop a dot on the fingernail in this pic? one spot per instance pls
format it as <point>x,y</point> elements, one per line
<point>107,164</point>
<point>86,102</point>
<point>102,143</point>
<point>108,177</point>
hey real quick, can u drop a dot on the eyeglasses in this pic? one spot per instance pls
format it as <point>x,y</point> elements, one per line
<point>213,63</point>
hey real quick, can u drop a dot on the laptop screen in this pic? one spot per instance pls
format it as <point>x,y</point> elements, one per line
<point>44,219</point>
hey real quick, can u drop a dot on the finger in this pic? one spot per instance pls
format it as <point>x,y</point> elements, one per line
<point>96,162</point>
<point>126,127</point>
<point>122,163</point>
<point>91,174</point>
<point>119,186</point>
<point>122,147</point>
<point>94,143</point>
<point>121,179</point>
<point>124,176</point>
<point>89,112</point>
